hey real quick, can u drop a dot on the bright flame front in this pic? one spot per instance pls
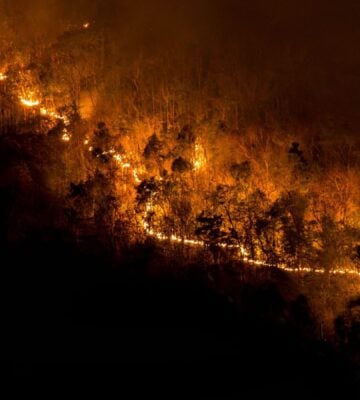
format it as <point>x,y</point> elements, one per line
<point>29,102</point>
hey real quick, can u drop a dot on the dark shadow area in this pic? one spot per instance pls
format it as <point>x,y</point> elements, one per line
<point>71,316</point>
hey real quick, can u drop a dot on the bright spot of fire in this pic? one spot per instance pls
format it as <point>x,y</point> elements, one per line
<point>136,177</point>
<point>2,76</point>
<point>86,25</point>
<point>29,102</point>
<point>64,118</point>
<point>66,136</point>
<point>199,157</point>
<point>46,113</point>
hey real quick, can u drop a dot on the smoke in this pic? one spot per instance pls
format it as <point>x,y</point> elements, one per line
<point>310,47</point>
<point>273,23</point>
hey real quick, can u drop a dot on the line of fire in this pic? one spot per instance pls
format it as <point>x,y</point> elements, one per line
<point>194,165</point>
<point>244,210</point>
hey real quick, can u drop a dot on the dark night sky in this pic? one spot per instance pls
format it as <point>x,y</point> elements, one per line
<point>324,27</point>
<point>276,19</point>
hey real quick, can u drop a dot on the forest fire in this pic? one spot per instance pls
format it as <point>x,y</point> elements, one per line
<point>66,137</point>
<point>198,162</point>
<point>243,254</point>
<point>199,158</point>
<point>180,187</point>
<point>29,102</point>
<point>53,114</point>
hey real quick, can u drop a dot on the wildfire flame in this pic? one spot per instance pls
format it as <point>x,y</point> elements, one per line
<point>29,103</point>
<point>199,157</point>
<point>198,161</point>
<point>66,137</point>
<point>121,160</point>
<point>46,113</point>
<point>136,176</point>
<point>243,254</point>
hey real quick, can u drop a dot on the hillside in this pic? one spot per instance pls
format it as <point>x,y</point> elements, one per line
<point>179,194</point>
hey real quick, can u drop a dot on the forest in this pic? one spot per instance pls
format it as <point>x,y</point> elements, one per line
<point>178,165</point>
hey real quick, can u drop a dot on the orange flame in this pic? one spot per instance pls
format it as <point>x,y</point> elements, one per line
<point>29,102</point>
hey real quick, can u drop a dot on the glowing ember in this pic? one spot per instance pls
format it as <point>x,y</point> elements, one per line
<point>136,176</point>
<point>86,25</point>
<point>47,113</point>
<point>199,158</point>
<point>64,118</point>
<point>66,137</point>
<point>125,165</point>
<point>2,76</point>
<point>118,158</point>
<point>29,102</point>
